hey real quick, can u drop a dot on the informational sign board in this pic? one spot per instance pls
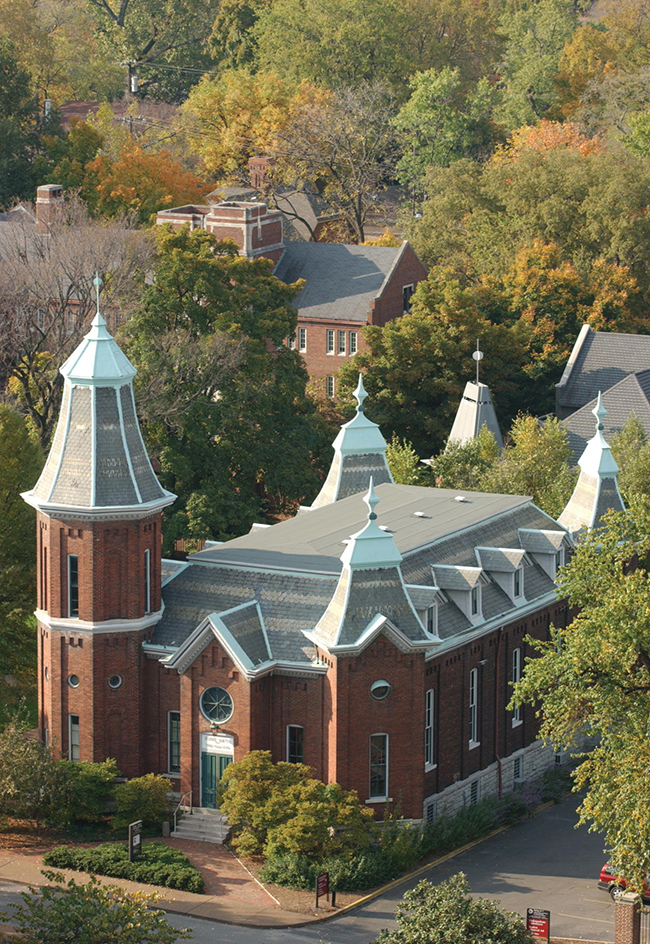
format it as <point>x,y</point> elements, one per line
<point>135,840</point>
<point>538,922</point>
<point>218,744</point>
<point>322,886</point>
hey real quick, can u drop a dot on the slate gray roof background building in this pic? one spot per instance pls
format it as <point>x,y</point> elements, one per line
<point>630,395</point>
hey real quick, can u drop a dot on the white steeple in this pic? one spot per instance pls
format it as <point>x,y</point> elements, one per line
<point>359,456</point>
<point>596,490</point>
<point>371,547</point>
<point>475,410</point>
<point>98,459</point>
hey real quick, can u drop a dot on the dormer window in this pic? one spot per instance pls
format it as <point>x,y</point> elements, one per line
<point>476,601</point>
<point>432,620</point>
<point>519,582</point>
<point>559,560</point>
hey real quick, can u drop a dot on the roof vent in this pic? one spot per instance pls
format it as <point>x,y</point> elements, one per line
<point>460,498</point>
<point>420,514</point>
<point>382,527</point>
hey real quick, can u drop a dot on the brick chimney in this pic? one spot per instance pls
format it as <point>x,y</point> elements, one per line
<point>255,229</point>
<point>48,199</point>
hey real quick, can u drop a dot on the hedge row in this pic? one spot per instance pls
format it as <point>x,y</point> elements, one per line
<point>158,865</point>
<point>402,846</point>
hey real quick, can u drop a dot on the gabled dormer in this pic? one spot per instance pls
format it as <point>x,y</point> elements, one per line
<point>426,600</point>
<point>546,548</point>
<point>505,566</point>
<point>464,587</point>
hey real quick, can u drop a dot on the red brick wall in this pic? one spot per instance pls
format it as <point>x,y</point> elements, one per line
<point>298,701</point>
<point>409,271</point>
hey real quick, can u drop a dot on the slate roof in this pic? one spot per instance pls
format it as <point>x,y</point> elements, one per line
<point>246,628</point>
<point>292,569</point>
<point>342,280</point>
<point>630,395</point>
<point>599,360</point>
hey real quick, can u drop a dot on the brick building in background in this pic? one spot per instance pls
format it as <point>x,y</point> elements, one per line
<point>347,286</point>
<point>376,644</point>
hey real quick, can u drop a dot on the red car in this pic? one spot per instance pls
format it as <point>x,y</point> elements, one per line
<point>610,881</point>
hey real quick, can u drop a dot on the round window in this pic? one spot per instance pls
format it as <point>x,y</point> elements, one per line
<point>73,681</point>
<point>216,704</point>
<point>115,681</point>
<point>380,689</point>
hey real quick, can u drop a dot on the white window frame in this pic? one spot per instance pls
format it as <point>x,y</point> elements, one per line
<point>302,340</point>
<point>147,582</point>
<point>353,343</point>
<point>473,703</point>
<point>291,342</point>
<point>329,341</point>
<point>330,387</point>
<point>406,298</point>
<point>475,595</point>
<point>298,727</point>
<point>431,619</point>
<point>376,798</point>
<point>518,578</point>
<point>429,729</point>
<point>516,677</point>
<point>170,770</point>
<point>74,751</point>
<point>72,615</point>
<point>341,344</point>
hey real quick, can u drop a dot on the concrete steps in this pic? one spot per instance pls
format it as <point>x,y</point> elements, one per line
<point>202,825</point>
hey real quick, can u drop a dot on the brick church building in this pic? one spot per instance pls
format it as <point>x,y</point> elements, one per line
<point>374,636</point>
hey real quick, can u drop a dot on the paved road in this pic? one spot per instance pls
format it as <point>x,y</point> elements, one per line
<point>543,863</point>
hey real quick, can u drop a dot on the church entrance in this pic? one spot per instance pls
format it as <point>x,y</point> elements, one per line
<point>216,753</point>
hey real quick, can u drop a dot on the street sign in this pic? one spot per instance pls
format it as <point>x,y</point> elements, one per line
<point>322,886</point>
<point>538,922</point>
<point>135,840</point>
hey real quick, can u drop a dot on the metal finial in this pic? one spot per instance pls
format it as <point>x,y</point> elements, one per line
<point>361,394</point>
<point>97,283</point>
<point>599,411</point>
<point>478,357</point>
<point>371,501</point>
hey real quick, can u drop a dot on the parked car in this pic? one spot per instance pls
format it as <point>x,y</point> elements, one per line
<point>615,884</point>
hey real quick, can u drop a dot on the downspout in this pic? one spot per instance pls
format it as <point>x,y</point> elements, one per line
<point>497,715</point>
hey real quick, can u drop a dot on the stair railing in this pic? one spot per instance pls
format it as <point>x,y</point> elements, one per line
<point>184,806</point>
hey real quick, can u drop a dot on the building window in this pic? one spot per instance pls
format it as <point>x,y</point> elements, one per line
<point>291,342</point>
<point>40,319</point>
<point>329,387</point>
<point>473,708</point>
<point>341,342</point>
<point>302,340</point>
<point>115,681</point>
<point>353,342</point>
<point>380,689</point>
<point>519,581</point>
<point>516,677</point>
<point>174,742</point>
<point>432,619</point>
<point>295,744</point>
<point>216,705</point>
<point>329,341</point>
<point>73,730</point>
<point>429,708</point>
<point>476,601</point>
<point>559,560</point>
<point>518,769</point>
<point>147,581</point>
<point>73,586</point>
<point>407,293</point>
<point>73,681</point>
<point>378,766</point>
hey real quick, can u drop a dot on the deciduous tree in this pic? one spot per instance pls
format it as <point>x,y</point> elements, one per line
<point>404,463</point>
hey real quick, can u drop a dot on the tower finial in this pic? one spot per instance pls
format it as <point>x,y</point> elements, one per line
<point>361,394</point>
<point>97,283</point>
<point>371,501</point>
<point>478,357</point>
<point>599,412</point>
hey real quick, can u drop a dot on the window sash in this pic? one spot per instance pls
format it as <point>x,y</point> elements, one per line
<point>432,619</point>
<point>518,576</point>
<point>147,581</point>
<point>73,747</point>
<point>174,742</point>
<point>429,707</point>
<point>73,586</point>
<point>475,601</point>
<point>302,339</point>
<point>378,766</point>
<point>329,342</point>
<point>295,744</point>
<point>341,342</point>
<point>329,386</point>
<point>516,677</point>
<point>473,706</point>
<point>353,342</point>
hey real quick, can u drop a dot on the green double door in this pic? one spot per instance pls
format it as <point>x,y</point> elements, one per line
<point>212,768</point>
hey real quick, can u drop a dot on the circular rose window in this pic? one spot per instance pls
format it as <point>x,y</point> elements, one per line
<point>216,705</point>
<point>73,681</point>
<point>115,681</point>
<point>380,689</point>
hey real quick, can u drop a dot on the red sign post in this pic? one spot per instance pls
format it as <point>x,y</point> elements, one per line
<point>538,922</point>
<point>322,886</point>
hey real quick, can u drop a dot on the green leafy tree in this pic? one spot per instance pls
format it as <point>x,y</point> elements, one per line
<point>592,678</point>
<point>535,463</point>
<point>631,449</point>
<point>223,402</point>
<point>447,914</point>
<point>465,466</point>
<point>404,463</point>
<point>86,788</point>
<point>280,808</point>
<point>19,140</point>
<point>91,913</point>
<point>439,124</point>
<point>147,798</point>
<point>536,36</point>
<point>232,41</point>
<point>30,778</point>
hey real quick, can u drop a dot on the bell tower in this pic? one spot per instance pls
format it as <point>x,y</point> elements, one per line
<point>99,507</point>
